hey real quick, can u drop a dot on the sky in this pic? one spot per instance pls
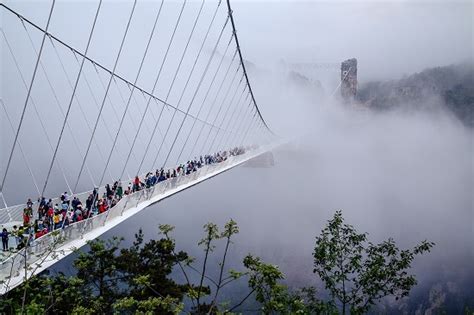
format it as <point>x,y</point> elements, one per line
<point>389,38</point>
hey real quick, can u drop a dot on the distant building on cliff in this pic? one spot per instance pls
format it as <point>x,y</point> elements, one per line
<point>349,79</point>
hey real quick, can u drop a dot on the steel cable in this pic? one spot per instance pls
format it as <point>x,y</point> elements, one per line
<point>155,84</point>
<point>27,99</point>
<point>106,92</point>
<point>72,98</point>
<point>199,83</point>
<point>169,92</point>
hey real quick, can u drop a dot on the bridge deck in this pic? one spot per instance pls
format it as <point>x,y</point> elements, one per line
<point>50,248</point>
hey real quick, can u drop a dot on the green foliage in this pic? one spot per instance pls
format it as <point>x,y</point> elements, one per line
<point>53,295</point>
<point>136,280</point>
<point>106,279</point>
<point>264,280</point>
<point>359,273</point>
<point>152,305</point>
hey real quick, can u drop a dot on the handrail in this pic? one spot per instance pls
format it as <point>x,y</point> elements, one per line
<point>13,264</point>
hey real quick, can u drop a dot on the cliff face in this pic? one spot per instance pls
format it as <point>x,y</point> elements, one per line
<point>454,85</point>
<point>349,79</point>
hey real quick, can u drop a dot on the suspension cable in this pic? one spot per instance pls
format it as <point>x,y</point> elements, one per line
<point>77,100</point>
<point>154,86</point>
<point>5,204</point>
<point>170,89</point>
<point>227,130</point>
<point>227,110</point>
<point>226,143</point>
<point>106,93</point>
<point>21,148</point>
<point>243,64</point>
<point>133,89</point>
<point>204,100</point>
<point>241,121</point>
<point>222,104</point>
<point>27,99</point>
<point>58,103</point>
<point>35,108</point>
<point>214,101</point>
<point>252,121</point>
<point>81,109</point>
<point>96,63</point>
<point>72,98</point>
<point>115,113</point>
<point>153,116</point>
<point>200,80</point>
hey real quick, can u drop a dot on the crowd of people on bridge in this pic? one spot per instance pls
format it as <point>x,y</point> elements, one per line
<point>52,216</point>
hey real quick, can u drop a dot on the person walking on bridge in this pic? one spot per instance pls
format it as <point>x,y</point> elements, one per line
<point>5,239</point>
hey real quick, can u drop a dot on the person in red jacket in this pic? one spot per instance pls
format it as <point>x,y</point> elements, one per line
<point>136,184</point>
<point>26,219</point>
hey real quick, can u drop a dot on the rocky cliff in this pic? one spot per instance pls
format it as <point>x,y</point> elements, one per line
<point>452,85</point>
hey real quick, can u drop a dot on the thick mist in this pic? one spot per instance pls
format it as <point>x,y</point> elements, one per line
<point>401,174</point>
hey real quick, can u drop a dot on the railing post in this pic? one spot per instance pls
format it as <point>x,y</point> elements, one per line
<point>3,198</point>
<point>6,206</point>
<point>124,206</point>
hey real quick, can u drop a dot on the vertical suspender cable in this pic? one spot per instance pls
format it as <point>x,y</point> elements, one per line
<point>5,204</point>
<point>227,131</point>
<point>78,103</point>
<point>232,122</point>
<point>21,149</point>
<point>27,98</point>
<point>214,101</point>
<point>35,108</point>
<point>169,92</point>
<point>227,111</point>
<point>54,95</point>
<point>252,121</point>
<point>111,104</point>
<point>222,105</point>
<point>204,100</point>
<point>154,87</point>
<point>72,97</point>
<point>132,91</point>
<point>81,109</point>
<point>241,122</point>
<point>243,64</point>
<point>106,93</point>
<point>199,83</point>
<point>148,128</point>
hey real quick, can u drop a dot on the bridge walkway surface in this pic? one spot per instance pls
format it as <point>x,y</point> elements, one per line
<point>45,251</point>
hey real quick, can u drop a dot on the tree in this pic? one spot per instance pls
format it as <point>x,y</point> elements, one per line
<point>109,279</point>
<point>359,273</point>
<point>28,270</point>
<point>99,272</point>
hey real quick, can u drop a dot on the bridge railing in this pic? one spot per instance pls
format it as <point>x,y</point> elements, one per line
<point>39,248</point>
<point>15,213</point>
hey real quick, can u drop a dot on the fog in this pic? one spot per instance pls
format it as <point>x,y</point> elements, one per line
<point>405,174</point>
<point>389,38</point>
